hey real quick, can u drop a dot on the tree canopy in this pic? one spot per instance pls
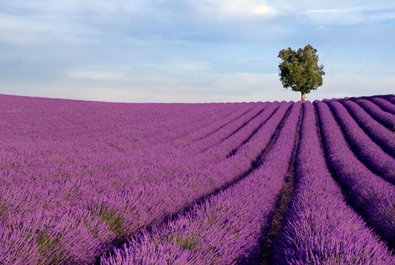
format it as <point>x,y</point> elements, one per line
<point>299,69</point>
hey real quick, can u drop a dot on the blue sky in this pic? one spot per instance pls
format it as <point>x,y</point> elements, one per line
<point>191,51</point>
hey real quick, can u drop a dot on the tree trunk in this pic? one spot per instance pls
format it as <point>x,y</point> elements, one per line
<point>302,97</point>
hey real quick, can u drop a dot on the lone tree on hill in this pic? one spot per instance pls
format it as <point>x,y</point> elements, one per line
<point>299,69</point>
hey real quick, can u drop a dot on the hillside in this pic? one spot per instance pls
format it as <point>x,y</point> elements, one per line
<point>218,183</point>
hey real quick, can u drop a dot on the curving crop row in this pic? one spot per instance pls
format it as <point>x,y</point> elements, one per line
<point>211,127</point>
<point>180,193</point>
<point>251,146</point>
<point>364,148</point>
<point>383,104</point>
<point>378,133</point>
<point>243,136</point>
<point>230,130</point>
<point>385,118</point>
<point>372,196</point>
<point>226,228</point>
<point>50,172</point>
<point>320,227</point>
<point>79,178</point>
<point>390,98</point>
<point>235,116</point>
<point>99,207</point>
<point>177,126</point>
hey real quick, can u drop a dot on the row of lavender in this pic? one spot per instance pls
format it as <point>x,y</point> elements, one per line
<point>320,227</point>
<point>226,227</point>
<point>67,211</point>
<point>110,166</point>
<point>351,218</point>
<point>369,193</point>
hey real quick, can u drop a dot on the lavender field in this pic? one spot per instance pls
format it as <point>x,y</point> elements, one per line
<point>218,183</point>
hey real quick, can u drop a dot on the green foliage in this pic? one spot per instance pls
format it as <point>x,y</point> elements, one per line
<point>50,247</point>
<point>185,242</point>
<point>3,211</point>
<point>299,69</point>
<point>46,242</point>
<point>114,221</point>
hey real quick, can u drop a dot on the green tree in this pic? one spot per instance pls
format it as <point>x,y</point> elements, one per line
<point>299,70</point>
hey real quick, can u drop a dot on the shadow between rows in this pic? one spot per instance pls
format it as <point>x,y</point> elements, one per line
<point>225,124</point>
<point>108,249</point>
<point>264,252</point>
<point>388,242</point>
<point>235,131</point>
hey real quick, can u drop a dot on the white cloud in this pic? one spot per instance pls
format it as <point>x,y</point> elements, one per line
<point>382,16</point>
<point>264,10</point>
<point>12,23</point>
<point>349,15</point>
<point>342,16</point>
<point>73,6</point>
<point>21,30</point>
<point>16,30</point>
<point>234,8</point>
<point>358,85</point>
<point>187,50</point>
<point>204,87</point>
<point>96,75</point>
<point>332,10</point>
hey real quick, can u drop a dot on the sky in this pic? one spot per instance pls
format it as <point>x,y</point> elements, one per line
<point>191,50</point>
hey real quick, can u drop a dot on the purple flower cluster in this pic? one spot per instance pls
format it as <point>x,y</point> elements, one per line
<point>371,195</point>
<point>83,182</point>
<point>385,118</point>
<point>224,228</point>
<point>378,133</point>
<point>364,148</point>
<point>390,98</point>
<point>320,227</point>
<point>384,104</point>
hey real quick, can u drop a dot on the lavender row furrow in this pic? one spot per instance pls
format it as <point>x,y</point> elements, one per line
<point>230,130</point>
<point>225,228</point>
<point>74,119</point>
<point>364,148</point>
<point>244,140</point>
<point>95,195</point>
<point>179,126</point>
<point>243,136</point>
<point>262,137</point>
<point>235,116</point>
<point>372,196</point>
<point>206,129</point>
<point>390,98</point>
<point>273,111</point>
<point>320,228</point>
<point>79,178</point>
<point>383,104</point>
<point>385,118</point>
<point>64,184</point>
<point>178,192</point>
<point>122,148</point>
<point>378,133</point>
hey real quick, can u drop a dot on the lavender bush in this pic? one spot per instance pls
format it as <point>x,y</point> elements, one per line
<point>364,148</point>
<point>224,228</point>
<point>385,118</point>
<point>195,183</point>
<point>320,227</point>
<point>383,104</point>
<point>378,133</point>
<point>367,192</point>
